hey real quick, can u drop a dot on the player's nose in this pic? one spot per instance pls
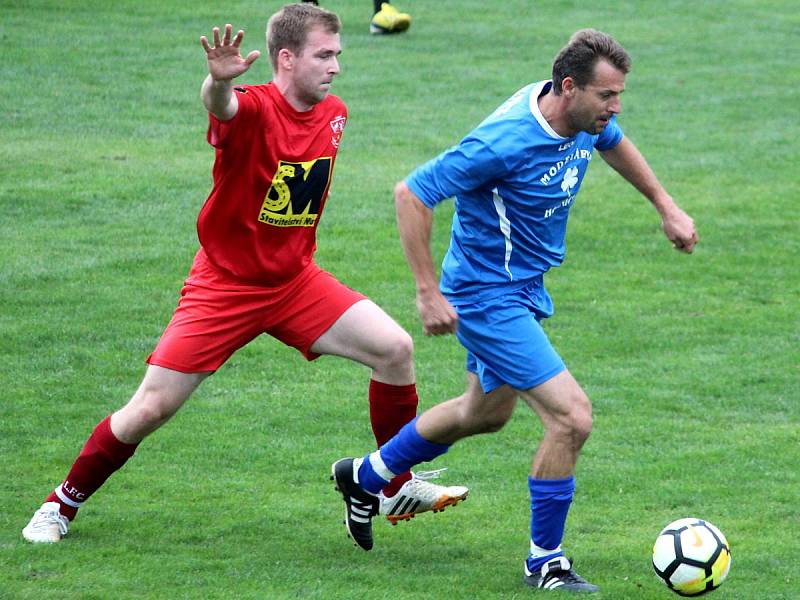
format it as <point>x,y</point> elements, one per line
<point>334,69</point>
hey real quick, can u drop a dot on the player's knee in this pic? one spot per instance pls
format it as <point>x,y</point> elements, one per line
<point>151,409</point>
<point>582,428</point>
<point>398,351</point>
<point>578,424</point>
<point>491,414</point>
<point>494,423</point>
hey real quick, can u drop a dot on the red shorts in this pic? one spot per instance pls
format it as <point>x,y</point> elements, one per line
<point>216,316</point>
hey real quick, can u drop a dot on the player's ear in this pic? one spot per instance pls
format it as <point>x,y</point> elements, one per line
<point>285,59</point>
<point>568,87</point>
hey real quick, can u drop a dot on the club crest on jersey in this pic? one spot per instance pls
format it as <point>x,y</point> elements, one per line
<point>295,197</point>
<point>337,126</point>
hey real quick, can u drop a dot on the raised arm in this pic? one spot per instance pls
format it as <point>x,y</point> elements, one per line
<point>679,228</point>
<point>225,64</point>
<point>415,221</point>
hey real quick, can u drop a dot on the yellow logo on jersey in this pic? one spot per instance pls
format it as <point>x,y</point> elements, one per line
<point>295,197</point>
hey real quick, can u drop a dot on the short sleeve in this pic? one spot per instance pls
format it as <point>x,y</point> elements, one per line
<point>468,166</point>
<point>220,131</point>
<point>610,136</point>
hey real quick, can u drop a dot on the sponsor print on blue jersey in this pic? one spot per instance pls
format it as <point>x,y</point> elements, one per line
<point>514,180</point>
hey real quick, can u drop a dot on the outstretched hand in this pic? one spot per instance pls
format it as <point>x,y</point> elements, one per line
<point>224,59</point>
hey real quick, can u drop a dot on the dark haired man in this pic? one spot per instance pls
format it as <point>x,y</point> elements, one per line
<point>514,179</point>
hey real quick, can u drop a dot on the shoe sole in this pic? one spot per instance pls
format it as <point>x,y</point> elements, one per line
<point>438,506</point>
<point>39,540</point>
<point>398,28</point>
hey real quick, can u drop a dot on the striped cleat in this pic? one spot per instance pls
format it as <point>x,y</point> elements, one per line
<point>557,574</point>
<point>360,506</point>
<point>418,495</point>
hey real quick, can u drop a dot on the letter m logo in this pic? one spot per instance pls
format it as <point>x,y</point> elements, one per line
<point>295,197</point>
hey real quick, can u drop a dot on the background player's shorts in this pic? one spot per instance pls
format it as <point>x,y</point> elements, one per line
<point>505,342</point>
<point>216,316</point>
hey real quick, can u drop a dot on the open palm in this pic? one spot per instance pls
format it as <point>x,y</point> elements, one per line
<point>225,62</point>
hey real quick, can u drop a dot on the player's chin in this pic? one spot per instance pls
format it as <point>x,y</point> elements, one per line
<point>320,96</point>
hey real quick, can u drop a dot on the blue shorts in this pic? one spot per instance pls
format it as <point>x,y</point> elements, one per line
<point>505,342</point>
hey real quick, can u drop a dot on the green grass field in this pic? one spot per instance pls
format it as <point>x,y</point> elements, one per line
<point>692,362</point>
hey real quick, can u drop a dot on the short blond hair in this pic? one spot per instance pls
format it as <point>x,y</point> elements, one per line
<point>288,28</point>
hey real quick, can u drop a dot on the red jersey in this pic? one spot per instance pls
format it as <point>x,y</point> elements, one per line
<point>272,173</point>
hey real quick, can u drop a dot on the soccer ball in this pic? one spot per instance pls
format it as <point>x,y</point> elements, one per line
<point>691,556</point>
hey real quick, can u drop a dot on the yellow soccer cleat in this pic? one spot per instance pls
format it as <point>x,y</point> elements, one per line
<point>389,20</point>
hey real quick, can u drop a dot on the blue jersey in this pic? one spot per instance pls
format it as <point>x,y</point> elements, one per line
<point>514,180</point>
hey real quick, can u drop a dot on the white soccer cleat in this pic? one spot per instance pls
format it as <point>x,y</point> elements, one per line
<point>47,525</point>
<point>418,495</point>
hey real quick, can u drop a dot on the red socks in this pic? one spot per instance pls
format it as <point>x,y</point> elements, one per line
<point>102,454</point>
<point>391,407</point>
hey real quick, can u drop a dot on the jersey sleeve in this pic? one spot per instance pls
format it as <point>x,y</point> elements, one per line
<point>468,166</point>
<point>610,136</point>
<point>220,131</point>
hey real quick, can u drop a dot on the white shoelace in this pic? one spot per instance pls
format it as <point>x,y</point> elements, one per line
<point>427,475</point>
<point>422,489</point>
<point>45,518</point>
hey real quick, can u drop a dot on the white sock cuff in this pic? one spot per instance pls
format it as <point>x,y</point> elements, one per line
<point>65,500</point>
<point>537,552</point>
<point>380,468</point>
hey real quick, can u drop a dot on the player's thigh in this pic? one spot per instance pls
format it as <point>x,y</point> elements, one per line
<point>506,345</point>
<point>166,388</point>
<point>365,333</point>
<point>309,313</point>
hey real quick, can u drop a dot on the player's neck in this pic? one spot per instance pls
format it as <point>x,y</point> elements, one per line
<point>554,110</point>
<point>289,93</point>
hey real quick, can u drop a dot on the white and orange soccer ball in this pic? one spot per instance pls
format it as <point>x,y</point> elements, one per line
<point>691,556</point>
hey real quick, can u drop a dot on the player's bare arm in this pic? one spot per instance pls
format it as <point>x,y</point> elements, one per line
<point>225,63</point>
<point>678,227</point>
<point>415,221</point>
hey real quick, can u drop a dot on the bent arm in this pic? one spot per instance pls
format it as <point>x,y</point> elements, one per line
<point>415,223</point>
<point>626,160</point>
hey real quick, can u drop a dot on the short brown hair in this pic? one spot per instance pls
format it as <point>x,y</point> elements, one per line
<point>578,58</point>
<point>288,28</point>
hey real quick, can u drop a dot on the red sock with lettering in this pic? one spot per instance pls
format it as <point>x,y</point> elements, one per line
<point>391,407</point>
<point>102,454</point>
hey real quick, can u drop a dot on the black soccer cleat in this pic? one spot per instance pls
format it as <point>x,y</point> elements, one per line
<point>360,506</point>
<point>557,574</point>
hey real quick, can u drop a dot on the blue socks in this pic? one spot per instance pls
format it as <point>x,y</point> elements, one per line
<point>550,502</point>
<point>398,455</point>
